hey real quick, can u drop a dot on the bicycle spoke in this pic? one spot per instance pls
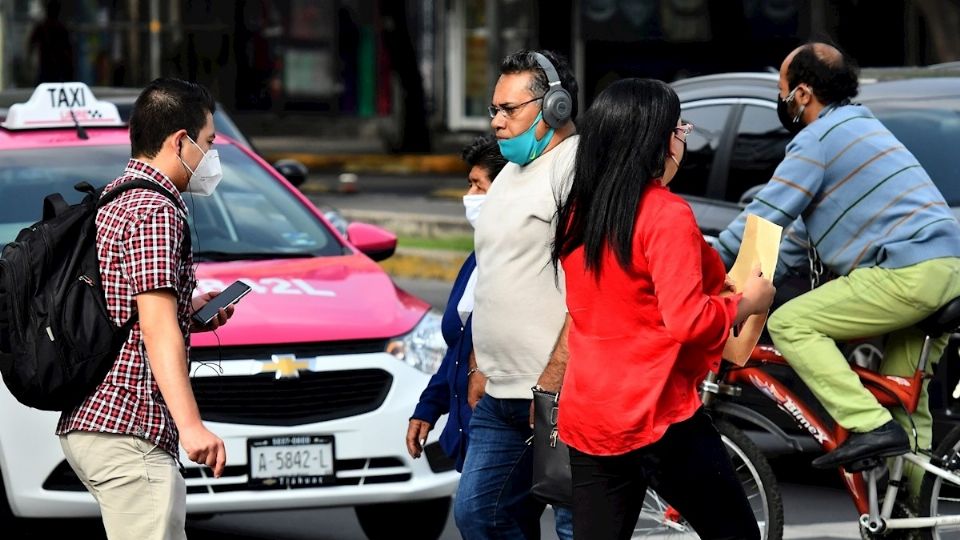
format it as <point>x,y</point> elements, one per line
<point>657,519</point>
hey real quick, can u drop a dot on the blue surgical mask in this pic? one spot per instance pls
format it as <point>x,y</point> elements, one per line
<point>525,147</point>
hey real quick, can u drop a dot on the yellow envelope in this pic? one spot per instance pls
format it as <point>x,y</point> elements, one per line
<point>761,244</point>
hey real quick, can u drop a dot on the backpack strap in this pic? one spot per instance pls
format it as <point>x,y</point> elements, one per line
<point>139,183</point>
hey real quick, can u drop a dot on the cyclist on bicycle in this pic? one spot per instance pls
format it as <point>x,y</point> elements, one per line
<point>851,193</point>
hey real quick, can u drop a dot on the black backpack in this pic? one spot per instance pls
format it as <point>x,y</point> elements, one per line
<point>57,338</point>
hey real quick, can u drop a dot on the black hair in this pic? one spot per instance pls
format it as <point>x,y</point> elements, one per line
<point>833,77</point>
<point>484,152</point>
<point>525,61</point>
<point>164,107</point>
<point>624,141</point>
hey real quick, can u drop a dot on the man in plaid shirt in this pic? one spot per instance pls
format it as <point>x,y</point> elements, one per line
<point>122,439</point>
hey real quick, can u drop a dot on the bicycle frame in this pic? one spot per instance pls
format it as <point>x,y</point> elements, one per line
<point>889,390</point>
<point>788,402</point>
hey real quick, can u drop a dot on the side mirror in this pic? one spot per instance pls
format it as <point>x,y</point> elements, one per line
<point>294,171</point>
<point>372,241</point>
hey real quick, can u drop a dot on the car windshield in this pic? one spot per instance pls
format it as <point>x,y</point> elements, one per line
<point>930,129</point>
<point>249,216</point>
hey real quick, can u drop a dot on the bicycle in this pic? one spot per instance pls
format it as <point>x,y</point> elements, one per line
<point>939,513</point>
<point>658,519</point>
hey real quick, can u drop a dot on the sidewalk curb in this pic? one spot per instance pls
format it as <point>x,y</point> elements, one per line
<point>376,163</point>
<point>414,263</point>
<point>408,224</point>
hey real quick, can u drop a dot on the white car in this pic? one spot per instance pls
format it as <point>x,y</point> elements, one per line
<point>310,385</point>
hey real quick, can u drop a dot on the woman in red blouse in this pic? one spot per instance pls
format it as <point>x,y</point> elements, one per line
<point>647,321</point>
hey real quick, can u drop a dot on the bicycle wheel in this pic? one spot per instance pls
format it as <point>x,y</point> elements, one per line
<point>659,520</point>
<point>939,497</point>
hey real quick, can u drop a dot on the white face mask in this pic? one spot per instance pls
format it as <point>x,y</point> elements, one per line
<point>472,203</point>
<point>204,179</point>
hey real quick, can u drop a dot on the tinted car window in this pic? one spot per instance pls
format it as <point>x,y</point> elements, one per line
<point>931,131</point>
<point>250,213</point>
<point>757,150</point>
<point>702,144</point>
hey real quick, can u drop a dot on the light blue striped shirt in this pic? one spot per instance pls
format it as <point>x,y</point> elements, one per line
<point>849,186</point>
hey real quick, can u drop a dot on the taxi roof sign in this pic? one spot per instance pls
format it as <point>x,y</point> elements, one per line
<point>62,105</point>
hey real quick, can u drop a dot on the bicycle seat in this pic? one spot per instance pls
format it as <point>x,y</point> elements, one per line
<point>946,319</point>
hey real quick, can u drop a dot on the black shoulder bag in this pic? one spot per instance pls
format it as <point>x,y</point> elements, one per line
<point>552,482</point>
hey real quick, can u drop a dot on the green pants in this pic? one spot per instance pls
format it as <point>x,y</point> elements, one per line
<point>868,302</point>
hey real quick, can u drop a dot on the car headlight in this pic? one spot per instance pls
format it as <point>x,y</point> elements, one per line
<point>423,347</point>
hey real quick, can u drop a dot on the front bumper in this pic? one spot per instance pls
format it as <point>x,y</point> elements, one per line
<point>372,463</point>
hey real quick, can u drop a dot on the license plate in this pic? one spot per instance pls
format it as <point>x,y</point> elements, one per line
<point>291,462</point>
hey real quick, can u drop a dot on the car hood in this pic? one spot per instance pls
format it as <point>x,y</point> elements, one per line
<point>309,300</point>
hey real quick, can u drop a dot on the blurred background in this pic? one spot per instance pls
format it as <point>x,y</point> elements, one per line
<point>416,75</point>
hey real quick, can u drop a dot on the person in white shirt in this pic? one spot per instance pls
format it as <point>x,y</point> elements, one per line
<point>519,312</point>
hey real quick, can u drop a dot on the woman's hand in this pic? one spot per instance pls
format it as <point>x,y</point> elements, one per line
<point>417,432</point>
<point>729,286</point>
<point>758,293</point>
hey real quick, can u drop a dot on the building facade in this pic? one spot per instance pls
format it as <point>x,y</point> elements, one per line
<point>435,61</point>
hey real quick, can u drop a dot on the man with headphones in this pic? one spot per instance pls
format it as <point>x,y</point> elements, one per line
<point>519,310</point>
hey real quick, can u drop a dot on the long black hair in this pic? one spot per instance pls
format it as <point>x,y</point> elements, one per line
<point>624,142</point>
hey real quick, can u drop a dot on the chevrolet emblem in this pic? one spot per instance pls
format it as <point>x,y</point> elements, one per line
<point>286,366</point>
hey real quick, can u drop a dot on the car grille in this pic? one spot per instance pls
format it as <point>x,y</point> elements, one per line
<point>312,396</point>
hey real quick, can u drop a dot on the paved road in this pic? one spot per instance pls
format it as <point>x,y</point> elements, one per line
<point>812,511</point>
<point>417,195</point>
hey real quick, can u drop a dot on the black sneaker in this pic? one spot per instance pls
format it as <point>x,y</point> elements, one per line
<point>887,440</point>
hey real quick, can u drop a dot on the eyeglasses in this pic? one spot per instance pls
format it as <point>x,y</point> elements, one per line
<point>686,129</point>
<point>509,110</point>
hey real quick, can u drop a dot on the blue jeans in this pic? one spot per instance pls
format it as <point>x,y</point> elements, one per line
<point>493,500</point>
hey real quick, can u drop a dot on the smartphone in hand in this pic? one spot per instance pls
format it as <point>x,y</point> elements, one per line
<point>230,295</point>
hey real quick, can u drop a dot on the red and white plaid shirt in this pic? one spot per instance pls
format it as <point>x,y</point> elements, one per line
<point>139,237</point>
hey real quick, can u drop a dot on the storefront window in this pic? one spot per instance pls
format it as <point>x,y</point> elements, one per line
<point>476,74</point>
<point>481,32</point>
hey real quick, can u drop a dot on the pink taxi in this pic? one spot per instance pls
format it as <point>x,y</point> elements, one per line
<point>312,382</point>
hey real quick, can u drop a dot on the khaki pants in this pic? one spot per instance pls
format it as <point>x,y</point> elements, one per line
<point>866,303</point>
<point>141,494</point>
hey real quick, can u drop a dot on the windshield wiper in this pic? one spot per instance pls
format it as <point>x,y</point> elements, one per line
<point>250,255</point>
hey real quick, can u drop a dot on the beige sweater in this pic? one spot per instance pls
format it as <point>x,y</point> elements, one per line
<point>519,305</point>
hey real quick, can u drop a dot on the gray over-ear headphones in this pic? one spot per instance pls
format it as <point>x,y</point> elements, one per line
<point>557,105</point>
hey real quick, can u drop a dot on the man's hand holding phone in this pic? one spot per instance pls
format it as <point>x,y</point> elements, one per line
<point>210,314</point>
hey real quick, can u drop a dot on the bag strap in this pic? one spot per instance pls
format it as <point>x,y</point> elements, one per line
<point>139,183</point>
